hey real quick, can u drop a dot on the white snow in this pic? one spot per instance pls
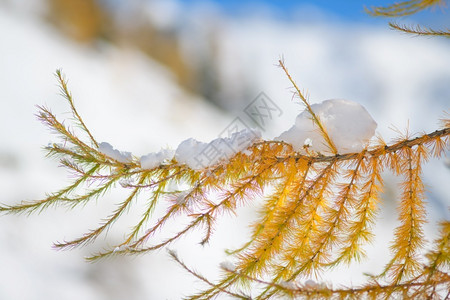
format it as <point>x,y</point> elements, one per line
<point>198,155</point>
<point>154,159</point>
<point>308,143</point>
<point>195,154</point>
<point>121,156</point>
<point>347,123</point>
<point>119,248</point>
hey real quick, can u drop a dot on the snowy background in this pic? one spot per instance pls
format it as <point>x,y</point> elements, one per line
<point>138,104</point>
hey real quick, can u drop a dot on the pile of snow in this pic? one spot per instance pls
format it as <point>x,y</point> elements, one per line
<point>154,159</point>
<point>198,155</point>
<point>348,124</point>
<point>108,149</point>
<point>195,154</point>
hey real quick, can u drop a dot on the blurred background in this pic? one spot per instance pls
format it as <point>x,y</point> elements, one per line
<point>147,74</point>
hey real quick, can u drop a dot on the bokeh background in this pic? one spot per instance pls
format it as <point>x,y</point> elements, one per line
<point>147,74</point>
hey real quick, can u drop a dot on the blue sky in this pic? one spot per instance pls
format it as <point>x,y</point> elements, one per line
<point>349,10</point>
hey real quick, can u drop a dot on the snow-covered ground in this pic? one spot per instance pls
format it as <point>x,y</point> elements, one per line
<point>133,103</point>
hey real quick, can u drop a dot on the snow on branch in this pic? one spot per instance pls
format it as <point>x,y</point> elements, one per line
<point>319,180</point>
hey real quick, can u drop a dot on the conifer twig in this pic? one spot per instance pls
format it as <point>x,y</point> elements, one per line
<point>68,96</point>
<point>404,8</point>
<point>419,30</point>
<point>175,257</point>
<point>314,116</point>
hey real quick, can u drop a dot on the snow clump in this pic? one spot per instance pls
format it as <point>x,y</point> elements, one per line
<point>198,155</point>
<point>348,125</point>
<point>152,160</point>
<point>290,285</point>
<point>120,156</point>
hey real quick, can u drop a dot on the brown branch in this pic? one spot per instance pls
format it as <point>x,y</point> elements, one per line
<point>377,151</point>
<point>418,30</point>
